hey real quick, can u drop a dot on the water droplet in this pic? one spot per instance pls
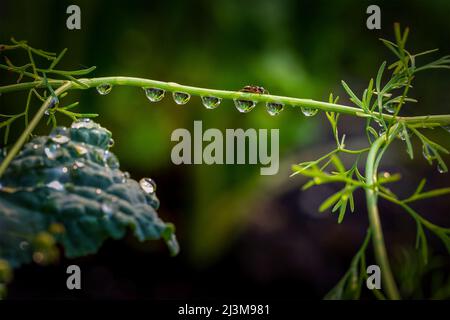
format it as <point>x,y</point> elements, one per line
<point>441,168</point>
<point>84,123</point>
<point>446,128</point>
<point>51,151</point>
<point>80,150</point>
<point>111,142</point>
<point>64,169</point>
<point>104,88</point>
<point>211,102</point>
<point>309,112</point>
<point>427,152</point>
<point>148,185</point>
<point>181,97</point>
<point>53,103</point>
<point>24,245</point>
<point>60,139</point>
<point>108,207</point>
<point>390,108</point>
<point>98,191</point>
<point>244,106</point>
<point>154,94</point>
<point>381,132</point>
<point>110,160</point>
<point>55,185</point>
<point>274,108</point>
<point>77,164</point>
<point>404,133</point>
<point>35,146</point>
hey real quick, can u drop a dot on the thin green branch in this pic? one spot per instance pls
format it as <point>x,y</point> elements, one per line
<point>29,129</point>
<point>374,219</point>
<point>431,120</point>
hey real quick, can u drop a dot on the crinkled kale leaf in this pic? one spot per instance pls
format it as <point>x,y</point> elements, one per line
<point>67,188</point>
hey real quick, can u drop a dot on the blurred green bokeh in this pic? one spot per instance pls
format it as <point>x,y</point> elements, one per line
<point>293,48</point>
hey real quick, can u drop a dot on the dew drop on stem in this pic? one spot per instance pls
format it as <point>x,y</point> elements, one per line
<point>210,102</point>
<point>244,106</point>
<point>148,185</point>
<point>309,112</point>
<point>104,88</point>
<point>274,108</point>
<point>181,97</point>
<point>390,108</point>
<point>154,94</point>
<point>427,152</point>
<point>441,168</point>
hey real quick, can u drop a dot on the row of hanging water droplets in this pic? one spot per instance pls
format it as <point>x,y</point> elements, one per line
<point>155,94</point>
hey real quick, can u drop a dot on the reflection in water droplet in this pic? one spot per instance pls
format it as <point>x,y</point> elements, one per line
<point>390,107</point>
<point>51,151</point>
<point>244,106</point>
<point>154,94</point>
<point>84,123</point>
<point>110,160</point>
<point>77,164</point>
<point>55,185</point>
<point>441,168</point>
<point>60,139</point>
<point>404,133</point>
<point>108,208</point>
<point>104,88</point>
<point>181,97</point>
<point>148,185</point>
<point>80,150</point>
<point>111,142</point>
<point>309,112</point>
<point>64,170</point>
<point>427,152</point>
<point>274,108</point>
<point>211,102</point>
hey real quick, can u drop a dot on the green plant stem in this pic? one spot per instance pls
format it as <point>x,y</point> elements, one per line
<point>31,126</point>
<point>374,219</point>
<point>429,121</point>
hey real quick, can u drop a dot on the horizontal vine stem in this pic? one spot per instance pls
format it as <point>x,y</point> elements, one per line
<point>429,120</point>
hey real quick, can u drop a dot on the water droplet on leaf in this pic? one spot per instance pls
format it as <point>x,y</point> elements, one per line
<point>84,123</point>
<point>55,185</point>
<point>60,139</point>
<point>51,151</point>
<point>211,102</point>
<point>111,142</point>
<point>244,106</point>
<point>274,108</point>
<point>181,97</point>
<point>148,185</point>
<point>104,88</point>
<point>309,112</point>
<point>154,94</point>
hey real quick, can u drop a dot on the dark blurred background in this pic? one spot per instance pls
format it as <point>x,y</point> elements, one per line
<point>242,235</point>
